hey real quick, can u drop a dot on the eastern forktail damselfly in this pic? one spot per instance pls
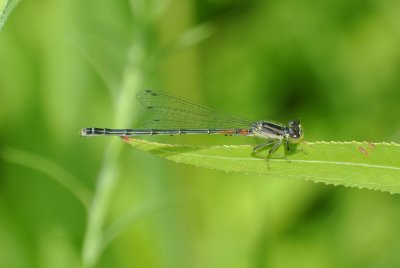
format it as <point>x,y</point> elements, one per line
<point>167,114</point>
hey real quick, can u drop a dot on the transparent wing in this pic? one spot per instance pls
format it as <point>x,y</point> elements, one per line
<point>166,111</point>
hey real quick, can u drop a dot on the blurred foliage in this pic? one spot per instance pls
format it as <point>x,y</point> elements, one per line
<point>62,66</point>
<point>6,7</point>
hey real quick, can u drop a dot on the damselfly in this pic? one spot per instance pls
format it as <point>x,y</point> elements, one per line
<point>167,114</point>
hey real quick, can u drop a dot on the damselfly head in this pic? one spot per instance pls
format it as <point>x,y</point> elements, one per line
<point>295,131</point>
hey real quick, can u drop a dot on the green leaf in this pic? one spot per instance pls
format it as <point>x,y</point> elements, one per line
<point>374,166</point>
<point>5,9</point>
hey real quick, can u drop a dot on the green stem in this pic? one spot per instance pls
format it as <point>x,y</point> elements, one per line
<point>108,177</point>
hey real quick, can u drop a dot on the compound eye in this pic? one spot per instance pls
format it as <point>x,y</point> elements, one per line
<point>295,135</point>
<point>294,123</point>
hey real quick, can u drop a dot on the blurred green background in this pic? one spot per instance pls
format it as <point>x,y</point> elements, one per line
<point>69,64</point>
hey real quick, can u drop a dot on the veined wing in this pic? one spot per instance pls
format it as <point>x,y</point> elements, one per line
<point>167,111</point>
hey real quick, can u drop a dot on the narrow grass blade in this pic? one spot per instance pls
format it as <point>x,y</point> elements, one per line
<point>49,168</point>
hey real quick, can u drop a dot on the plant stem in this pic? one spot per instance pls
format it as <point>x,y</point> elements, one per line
<point>108,177</point>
